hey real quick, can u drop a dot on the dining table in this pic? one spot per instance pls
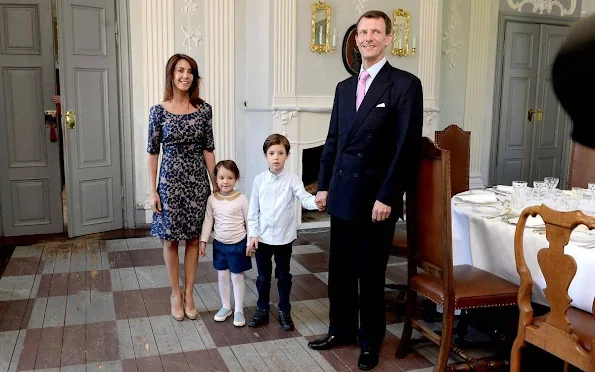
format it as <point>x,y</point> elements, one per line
<point>483,230</point>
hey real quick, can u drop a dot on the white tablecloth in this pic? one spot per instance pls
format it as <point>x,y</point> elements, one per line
<point>488,244</point>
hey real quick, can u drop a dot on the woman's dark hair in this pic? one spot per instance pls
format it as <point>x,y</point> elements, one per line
<point>194,91</point>
<point>230,165</point>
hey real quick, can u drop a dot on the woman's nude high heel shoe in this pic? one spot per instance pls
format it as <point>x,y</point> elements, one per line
<point>176,316</point>
<point>192,314</point>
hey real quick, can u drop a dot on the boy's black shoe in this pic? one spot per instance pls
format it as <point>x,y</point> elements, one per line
<point>286,321</point>
<point>259,317</point>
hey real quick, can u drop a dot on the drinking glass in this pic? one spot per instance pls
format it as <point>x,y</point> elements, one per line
<point>519,194</point>
<point>539,189</point>
<point>575,198</point>
<point>557,197</point>
<point>551,183</point>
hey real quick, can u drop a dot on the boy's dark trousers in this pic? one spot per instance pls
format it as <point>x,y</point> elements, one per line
<point>264,255</point>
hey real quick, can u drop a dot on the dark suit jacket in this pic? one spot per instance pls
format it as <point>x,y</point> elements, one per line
<point>573,77</point>
<point>372,154</point>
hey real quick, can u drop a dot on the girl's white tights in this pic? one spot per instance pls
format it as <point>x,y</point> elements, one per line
<point>238,289</point>
<point>224,288</point>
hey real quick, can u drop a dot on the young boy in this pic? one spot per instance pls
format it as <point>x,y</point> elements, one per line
<point>272,227</point>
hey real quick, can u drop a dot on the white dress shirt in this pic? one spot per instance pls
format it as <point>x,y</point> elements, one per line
<point>271,215</point>
<point>373,71</point>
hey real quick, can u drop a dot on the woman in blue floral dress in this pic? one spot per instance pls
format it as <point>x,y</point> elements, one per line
<point>182,126</point>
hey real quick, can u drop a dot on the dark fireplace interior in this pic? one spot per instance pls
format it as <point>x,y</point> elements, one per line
<point>310,168</point>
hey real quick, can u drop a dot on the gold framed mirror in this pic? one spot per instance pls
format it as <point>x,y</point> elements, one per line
<point>321,28</point>
<point>401,31</point>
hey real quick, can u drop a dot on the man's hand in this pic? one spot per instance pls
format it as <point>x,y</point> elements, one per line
<point>380,212</point>
<point>321,199</point>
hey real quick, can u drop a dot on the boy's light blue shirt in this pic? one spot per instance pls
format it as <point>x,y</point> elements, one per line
<point>271,215</point>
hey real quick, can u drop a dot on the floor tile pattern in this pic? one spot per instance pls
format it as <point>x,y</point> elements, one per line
<point>103,305</point>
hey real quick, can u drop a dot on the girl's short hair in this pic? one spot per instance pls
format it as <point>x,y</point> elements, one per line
<point>230,165</point>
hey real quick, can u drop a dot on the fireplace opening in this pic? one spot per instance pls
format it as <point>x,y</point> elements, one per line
<point>310,167</point>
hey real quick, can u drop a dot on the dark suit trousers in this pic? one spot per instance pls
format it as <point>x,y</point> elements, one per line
<point>358,255</point>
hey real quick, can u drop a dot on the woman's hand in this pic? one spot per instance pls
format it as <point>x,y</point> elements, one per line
<point>155,202</point>
<point>202,248</point>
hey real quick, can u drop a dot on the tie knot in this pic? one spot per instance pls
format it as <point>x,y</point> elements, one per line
<point>364,75</point>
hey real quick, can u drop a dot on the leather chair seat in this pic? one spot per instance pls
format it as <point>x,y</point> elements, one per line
<point>582,325</point>
<point>473,288</point>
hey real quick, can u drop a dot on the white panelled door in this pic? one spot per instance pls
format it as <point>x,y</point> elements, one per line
<point>90,115</point>
<point>30,184</point>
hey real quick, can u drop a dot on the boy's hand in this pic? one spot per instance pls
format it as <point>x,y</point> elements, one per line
<point>253,244</point>
<point>202,248</point>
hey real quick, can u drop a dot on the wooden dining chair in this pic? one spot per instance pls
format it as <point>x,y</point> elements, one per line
<point>566,332</point>
<point>457,142</point>
<point>581,171</point>
<point>429,237</point>
<point>399,249</point>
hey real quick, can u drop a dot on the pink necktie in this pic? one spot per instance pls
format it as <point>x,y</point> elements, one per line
<point>361,88</point>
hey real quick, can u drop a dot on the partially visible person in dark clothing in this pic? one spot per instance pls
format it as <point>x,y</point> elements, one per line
<point>573,77</point>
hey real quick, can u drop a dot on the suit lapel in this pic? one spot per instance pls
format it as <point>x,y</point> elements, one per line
<point>350,96</point>
<point>379,85</point>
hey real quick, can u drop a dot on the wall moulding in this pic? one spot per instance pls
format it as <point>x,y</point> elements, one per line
<point>450,45</point>
<point>316,104</point>
<point>564,7</point>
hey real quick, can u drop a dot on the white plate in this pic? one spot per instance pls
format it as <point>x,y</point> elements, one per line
<point>582,237</point>
<point>490,210</point>
<point>531,221</point>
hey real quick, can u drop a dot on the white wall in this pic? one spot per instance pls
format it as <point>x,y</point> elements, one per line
<point>454,80</point>
<point>159,28</point>
<point>454,54</point>
<point>589,6</point>
<point>318,74</point>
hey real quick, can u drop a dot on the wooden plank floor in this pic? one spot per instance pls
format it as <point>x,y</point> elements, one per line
<point>103,305</point>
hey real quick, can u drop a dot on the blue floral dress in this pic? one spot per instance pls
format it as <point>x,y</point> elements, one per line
<point>183,184</point>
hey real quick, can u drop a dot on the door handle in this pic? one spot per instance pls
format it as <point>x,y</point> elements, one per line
<point>530,114</point>
<point>70,120</point>
<point>50,118</point>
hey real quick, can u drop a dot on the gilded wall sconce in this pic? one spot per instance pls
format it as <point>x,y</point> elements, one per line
<point>322,41</point>
<point>401,30</point>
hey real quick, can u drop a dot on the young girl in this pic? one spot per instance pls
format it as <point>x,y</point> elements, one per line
<point>226,213</point>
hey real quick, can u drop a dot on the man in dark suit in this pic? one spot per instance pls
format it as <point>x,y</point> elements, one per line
<point>573,78</point>
<point>370,158</point>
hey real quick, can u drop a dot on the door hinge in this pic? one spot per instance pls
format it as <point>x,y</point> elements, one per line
<point>117,36</point>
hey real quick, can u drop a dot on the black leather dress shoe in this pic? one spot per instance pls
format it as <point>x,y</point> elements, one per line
<point>259,317</point>
<point>330,342</point>
<point>286,321</point>
<point>368,359</point>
